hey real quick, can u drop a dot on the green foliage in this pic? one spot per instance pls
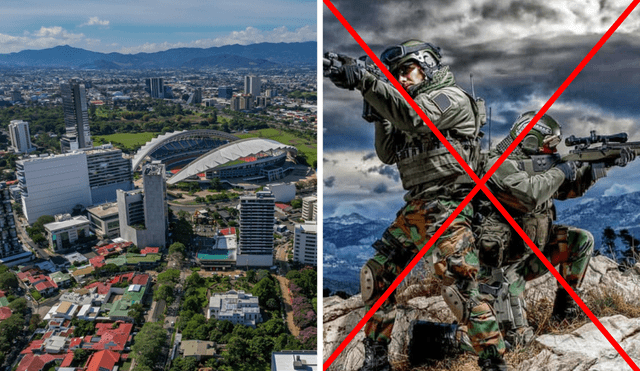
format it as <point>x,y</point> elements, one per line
<point>178,247</point>
<point>296,203</point>
<point>19,305</point>
<point>184,364</point>
<point>136,312</point>
<point>83,327</point>
<point>81,355</point>
<point>8,281</point>
<point>148,343</point>
<point>164,292</point>
<point>170,275</point>
<point>265,290</point>
<point>306,279</point>
<point>182,231</point>
<point>195,280</point>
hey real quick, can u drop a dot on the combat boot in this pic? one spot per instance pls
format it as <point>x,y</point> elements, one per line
<point>375,356</point>
<point>564,307</point>
<point>493,364</point>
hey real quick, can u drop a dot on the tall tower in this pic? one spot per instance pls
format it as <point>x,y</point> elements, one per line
<point>9,244</point>
<point>256,229</point>
<point>252,85</point>
<point>76,117</point>
<point>20,136</point>
<point>155,87</point>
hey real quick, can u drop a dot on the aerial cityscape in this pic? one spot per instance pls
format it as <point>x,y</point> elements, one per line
<point>159,208</point>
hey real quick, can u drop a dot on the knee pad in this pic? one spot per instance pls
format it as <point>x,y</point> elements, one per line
<point>456,302</point>
<point>370,276</point>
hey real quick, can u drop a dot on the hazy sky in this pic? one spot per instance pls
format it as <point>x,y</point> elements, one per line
<point>519,53</point>
<point>127,26</point>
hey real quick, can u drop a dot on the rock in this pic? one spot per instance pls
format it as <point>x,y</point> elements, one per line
<point>592,351</point>
<point>587,348</point>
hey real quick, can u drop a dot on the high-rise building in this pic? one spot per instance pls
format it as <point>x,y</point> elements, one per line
<point>271,93</point>
<point>305,245</point>
<point>308,208</point>
<point>20,137</point>
<point>108,171</point>
<point>225,92</point>
<point>252,85</point>
<point>16,96</point>
<point>53,184</point>
<point>195,97</point>
<point>143,213</point>
<point>76,117</point>
<point>255,247</point>
<point>9,243</point>
<point>155,87</point>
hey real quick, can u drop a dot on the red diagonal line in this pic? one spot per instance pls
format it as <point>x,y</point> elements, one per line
<point>480,184</point>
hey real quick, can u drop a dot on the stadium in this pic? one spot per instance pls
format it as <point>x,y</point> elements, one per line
<point>180,147</point>
<point>251,159</point>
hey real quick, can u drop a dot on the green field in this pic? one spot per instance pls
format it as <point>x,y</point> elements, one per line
<point>129,140</point>
<point>310,149</point>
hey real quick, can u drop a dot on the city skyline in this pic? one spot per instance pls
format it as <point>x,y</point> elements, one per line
<point>151,26</point>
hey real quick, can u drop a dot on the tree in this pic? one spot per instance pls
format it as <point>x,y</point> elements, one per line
<point>164,292</point>
<point>194,280</point>
<point>147,346</point>
<point>83,327</point>
<point>8,280</point>
<point>265,290</point>
<point>136,312</point>
<point>81,355</point>
<point>178,247</point>
<point>609,241</point>
<point>170,275</point>
<point>216,185</point>
<point>19,305</point>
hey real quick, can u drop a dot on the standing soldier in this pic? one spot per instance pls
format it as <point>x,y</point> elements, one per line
<point>436,185</point>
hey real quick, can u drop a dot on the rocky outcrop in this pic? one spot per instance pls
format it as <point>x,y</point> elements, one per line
<point>583,349</point>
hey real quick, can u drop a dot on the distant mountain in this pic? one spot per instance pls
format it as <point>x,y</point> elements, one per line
<point>348,238</point>
<point>262,55</point>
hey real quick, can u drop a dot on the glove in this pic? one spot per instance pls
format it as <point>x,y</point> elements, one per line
<point>569,169</point>
<point>347,76</point>
<point>626,156</point>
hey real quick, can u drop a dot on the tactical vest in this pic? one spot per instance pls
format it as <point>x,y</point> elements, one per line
<point>433,164</point>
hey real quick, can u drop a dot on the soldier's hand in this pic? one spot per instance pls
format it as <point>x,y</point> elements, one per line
<point>626,155</point>
<point>347,76</point>
<point>569,169</point>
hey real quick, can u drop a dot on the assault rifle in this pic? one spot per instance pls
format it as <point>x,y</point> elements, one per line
<point>600,157</point>
<point>331,62</point>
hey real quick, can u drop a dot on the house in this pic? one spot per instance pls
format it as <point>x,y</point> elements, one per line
<point>236,307</point>
<point>294,360</point>
<point>198,349</point>
<point>104,360</point>
<point>61,279</point>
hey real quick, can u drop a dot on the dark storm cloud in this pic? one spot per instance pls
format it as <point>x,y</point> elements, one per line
<point>368,156</point>
<point>390,172</point>
<point>380,188</point>
<point>517,10</point>
<point>328,182</point>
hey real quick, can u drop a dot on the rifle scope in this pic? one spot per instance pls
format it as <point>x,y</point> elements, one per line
<point>593,138</point>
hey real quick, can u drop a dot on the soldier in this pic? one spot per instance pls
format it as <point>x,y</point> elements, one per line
<point>528,197</point>
<point>436,185</point>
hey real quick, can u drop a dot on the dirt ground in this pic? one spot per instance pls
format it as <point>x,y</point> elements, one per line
<point>284,287</point>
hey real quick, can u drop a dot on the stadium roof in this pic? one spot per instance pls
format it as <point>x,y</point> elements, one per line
<point>229,152</point>
<point>161,140</point>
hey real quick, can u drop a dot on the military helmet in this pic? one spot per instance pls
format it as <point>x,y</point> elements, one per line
<point>425,54</point>
<point>546,133</point>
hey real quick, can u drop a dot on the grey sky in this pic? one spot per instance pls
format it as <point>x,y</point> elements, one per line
<point>519,53</point>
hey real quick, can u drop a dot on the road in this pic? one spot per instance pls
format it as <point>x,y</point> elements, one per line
<point>284,287</point>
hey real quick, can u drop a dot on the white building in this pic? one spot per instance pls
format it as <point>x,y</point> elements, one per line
<point>309,208</point>
<point>63,234</point>
<point>294,360</point>
<point>10,246</point>
<point>255,247</point>
<point>104,220</point>
<point>252,85</point>
<point>305,243</point>
<point>108,171</point>
<point>283,192</point>
<point>143,215</point>
<point>20,137</point>
<point>53,184</point>
<point>235,306</point>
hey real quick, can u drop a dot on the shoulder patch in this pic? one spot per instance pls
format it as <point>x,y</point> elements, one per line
<point>442,102</point>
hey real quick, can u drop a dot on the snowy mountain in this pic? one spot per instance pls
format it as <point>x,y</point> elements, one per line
<point>348,238</point>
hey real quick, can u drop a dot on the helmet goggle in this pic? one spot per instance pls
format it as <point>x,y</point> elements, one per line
<point>394,53</point>
<point>552,141</point>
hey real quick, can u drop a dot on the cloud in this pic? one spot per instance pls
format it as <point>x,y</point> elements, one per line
<point>617,190</point>
<point>380,188</point>
<point>250,35</point>
<point>95,21</point>
<point>328,182</point>
<point>45,37</point>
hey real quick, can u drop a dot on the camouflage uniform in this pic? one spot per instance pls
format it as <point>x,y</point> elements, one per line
<point>436,184</point>
<point>529,200</point>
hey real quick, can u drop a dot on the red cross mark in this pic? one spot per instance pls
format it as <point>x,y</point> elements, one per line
<point>480,184</point>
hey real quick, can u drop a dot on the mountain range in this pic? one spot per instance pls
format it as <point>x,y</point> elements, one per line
<point>262,55</point>
<point>348,238</point>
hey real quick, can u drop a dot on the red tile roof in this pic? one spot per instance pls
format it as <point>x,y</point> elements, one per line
<point>75,342</point>
<point>113,248</point>
<point>123,278</point>
<point>228,231</point>
<point>140,279</point>
<point>2,293</point>
<point>110,338</point>
<point>150,250</point>
<point>32,362</point>
<point>97,261</point>
<point>67,360</point>
<point>36,344</point>
<point>103,359</point>
<point>5,313</point>
<point>47,284</point>
<point>102,288</point>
